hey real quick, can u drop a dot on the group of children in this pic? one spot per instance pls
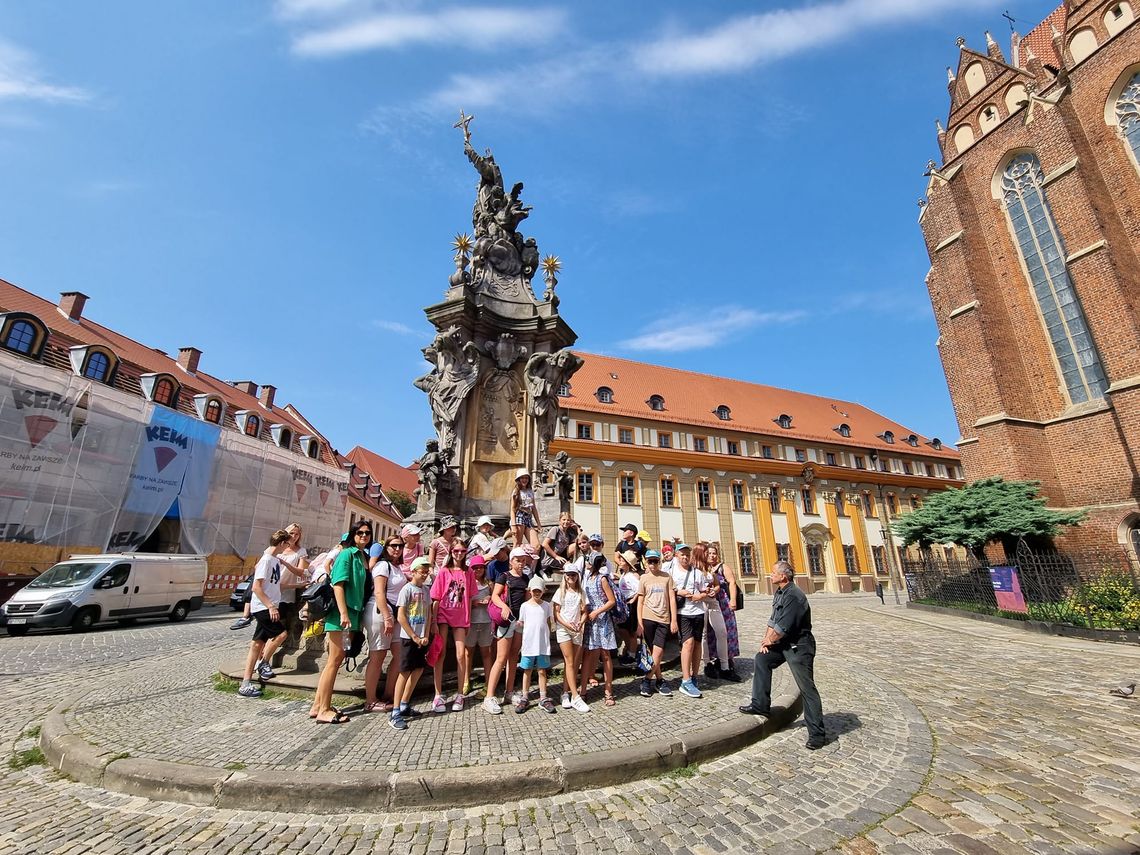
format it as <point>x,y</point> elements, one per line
<point>488,596</point>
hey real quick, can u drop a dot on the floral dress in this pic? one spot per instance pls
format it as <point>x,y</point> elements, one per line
<point>725,604</point>
<point>600,633</point>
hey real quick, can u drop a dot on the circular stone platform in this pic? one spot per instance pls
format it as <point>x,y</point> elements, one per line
<point>174,736</point>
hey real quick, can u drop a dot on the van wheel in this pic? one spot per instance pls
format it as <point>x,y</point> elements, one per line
<point>17,631</point>
<point>85,619</point>
<point>179,612</point>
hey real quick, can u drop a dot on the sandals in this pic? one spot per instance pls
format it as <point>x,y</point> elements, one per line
<point>377,706</point>
<point>610,700</point>
<point>592,684</point>
<point>338,718</point>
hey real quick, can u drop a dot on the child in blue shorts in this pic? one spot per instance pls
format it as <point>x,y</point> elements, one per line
<point>536,622</point>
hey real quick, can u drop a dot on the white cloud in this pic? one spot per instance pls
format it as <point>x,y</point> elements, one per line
<point>479,28</point>
<point>395,327</point>
<point>749,40</point>
<point>21,81</point>
<point>710,327</point>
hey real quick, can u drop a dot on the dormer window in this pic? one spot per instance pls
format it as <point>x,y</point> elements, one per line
<point>912,440</point>
<point>94,363</point>
<point>844,430</point>
<point>784,421</point>
<point>605,395</point>
<point>310,447</point>
<point>564,390</point>
<point>723,413</point>
<point>248,422</point>
<point>656,402</point>
<point>214,411</point>
<point>209,408</point>
<point>23,334</point>
<point>160,388</point>
<point>888,437</point>
<point>282,436</point>
<point>98,367</point>
<point>936,444</point>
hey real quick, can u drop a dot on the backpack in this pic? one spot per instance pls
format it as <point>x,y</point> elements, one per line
<point>621,606</point>
<point>319,598</point>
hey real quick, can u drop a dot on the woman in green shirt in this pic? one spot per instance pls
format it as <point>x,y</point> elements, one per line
<point>349,578</point>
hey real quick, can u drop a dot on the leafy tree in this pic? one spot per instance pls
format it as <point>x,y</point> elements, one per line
<point>402,502</point>
<point>991,509</point>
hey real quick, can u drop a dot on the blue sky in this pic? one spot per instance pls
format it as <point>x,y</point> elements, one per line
<point>731,187</point>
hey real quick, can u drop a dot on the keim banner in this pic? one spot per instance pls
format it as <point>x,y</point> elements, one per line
<point>1007,589</point>
<point>174,462</point>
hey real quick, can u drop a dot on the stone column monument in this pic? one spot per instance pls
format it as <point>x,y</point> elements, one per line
<point>497,362</point>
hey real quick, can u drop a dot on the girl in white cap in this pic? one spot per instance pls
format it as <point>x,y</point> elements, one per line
<point>524,515</point>
<point>439,550</point>
<point>484,535</point>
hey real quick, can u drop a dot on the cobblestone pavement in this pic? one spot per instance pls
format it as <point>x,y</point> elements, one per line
<point>950,736</point>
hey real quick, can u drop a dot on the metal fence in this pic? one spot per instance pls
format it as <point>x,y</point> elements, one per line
<point>1099,589</point>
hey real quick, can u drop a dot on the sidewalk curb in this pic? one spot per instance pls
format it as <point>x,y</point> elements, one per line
<point>378,792</point>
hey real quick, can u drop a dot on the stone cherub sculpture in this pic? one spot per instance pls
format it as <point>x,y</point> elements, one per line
<point>433,471</point>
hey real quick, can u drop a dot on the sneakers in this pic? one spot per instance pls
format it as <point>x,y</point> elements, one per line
<point>397,721</point>
<point>492,706</point>
<point>457,706</point>
<point>580,704</point>
<point>712,670</point>
<point>566,702</point>
<point>689,689</point>
<point>730,675</point>
<point>515,698</point>
<point>241,623</point>
<point>646,688</point>
<point>249,689</point>
<point>663,689</point>
<point>411,713</point>
<point>546,705</point>
<point>439,705</point>
<point>522,705</point>
<point>264,671</point>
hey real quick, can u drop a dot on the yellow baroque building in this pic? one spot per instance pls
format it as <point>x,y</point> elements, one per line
<point>766,473</point>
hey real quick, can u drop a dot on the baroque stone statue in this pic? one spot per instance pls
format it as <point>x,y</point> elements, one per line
<point>456,361</point>
<point>433,472</point>
<point>545,373</point>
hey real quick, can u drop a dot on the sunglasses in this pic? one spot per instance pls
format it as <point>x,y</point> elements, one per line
<point>399,545</point>
<point>364,534</point>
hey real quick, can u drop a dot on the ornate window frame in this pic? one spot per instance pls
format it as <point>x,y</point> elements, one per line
<point>1126,88</point>
<point>39,333</point>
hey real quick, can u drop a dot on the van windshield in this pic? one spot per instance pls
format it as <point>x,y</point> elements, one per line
<point>68,575</point>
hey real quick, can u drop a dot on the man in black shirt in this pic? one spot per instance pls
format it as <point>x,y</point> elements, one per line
<point>788,638</point>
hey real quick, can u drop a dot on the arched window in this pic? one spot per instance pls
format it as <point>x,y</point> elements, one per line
<point>1035,232</point>
<point>165,392</point>
<point>1118,16</point>
<point>888,437</point>
<point>21,337</point>
<point>98,366</point>
<point>656,402</point>
<point>784,421</point>
<point>723,413</point>
<point>912,440</point>
<point>1128,115</point>
<point>285,438</point>
<point>988,118</point>
<point>605,395</point>
<point>844,430</point>
<point>252,426</point>
<point>314,450</point>
<point>1015,97</point>
<point>963,138</point>
<point>936,444</point>
<point>214,411</point>
<point>1082,44</point>
<point>1134,539</point>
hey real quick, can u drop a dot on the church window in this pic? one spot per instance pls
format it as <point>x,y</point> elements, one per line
<point>975,78</point>
<point>1043,251</point>
<point>1118,16</point>
<point>1082,44</point>
<point>988,118</point>
<point>1128,115</point>
<point>963,138</point>
<point>1015,97</point>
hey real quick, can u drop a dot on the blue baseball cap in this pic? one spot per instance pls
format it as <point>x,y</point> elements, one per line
<point>597,538</point>
<point>681,546</point>
<point>651,554</point>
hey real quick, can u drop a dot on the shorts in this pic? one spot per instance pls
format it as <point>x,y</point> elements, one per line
<point>374,630</point>
<point>630,623</point>
<point>480,635</point>
<point>266,629</point>
<point>691,626</point>
<point>655,634</point>
<point>541,661</point>
<point>524,518</point>
<point>507,631</point>
<point>562,636</point>
<point>412,656</point>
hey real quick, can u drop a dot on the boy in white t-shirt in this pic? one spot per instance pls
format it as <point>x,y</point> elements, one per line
<point>536,619</point>
<point>264,603</point>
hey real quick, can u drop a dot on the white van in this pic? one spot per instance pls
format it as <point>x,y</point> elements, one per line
<point>88,589</point>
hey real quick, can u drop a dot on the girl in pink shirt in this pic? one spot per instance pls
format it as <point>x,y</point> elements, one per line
<point>451,594</point>
<point>440,547</point>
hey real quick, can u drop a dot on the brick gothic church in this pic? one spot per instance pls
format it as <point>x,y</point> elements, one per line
<point>1032,223</point>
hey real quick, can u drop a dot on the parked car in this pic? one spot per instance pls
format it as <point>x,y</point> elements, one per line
<point>242,593</point>
<point>88,589</point>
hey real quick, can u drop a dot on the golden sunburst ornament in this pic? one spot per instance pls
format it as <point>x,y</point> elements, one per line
<point>462,243</point>
<point>551,265</point>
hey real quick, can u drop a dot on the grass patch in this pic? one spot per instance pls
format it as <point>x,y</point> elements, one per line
<point>682,772</point>
<point>31,733</point>
<point>230,686</point>
<point>24,759</point>
<point>224,684</point>
<point>236,766</point>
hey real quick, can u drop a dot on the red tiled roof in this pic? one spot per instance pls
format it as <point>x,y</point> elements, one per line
<point>1040,39</point>
<point>139,359</point>
<point>692,399</point>
<point>388,473</point>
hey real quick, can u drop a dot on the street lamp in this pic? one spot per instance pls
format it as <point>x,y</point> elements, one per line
<point>884,532</point>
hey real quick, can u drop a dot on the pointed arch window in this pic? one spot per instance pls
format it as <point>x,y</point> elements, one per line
<point>1043,252</point>
<point>1128,115</point>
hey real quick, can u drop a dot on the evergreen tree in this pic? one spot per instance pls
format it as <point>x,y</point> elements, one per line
<point>991,509</point>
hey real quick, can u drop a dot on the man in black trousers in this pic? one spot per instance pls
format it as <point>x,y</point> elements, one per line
<point>788,638</point>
